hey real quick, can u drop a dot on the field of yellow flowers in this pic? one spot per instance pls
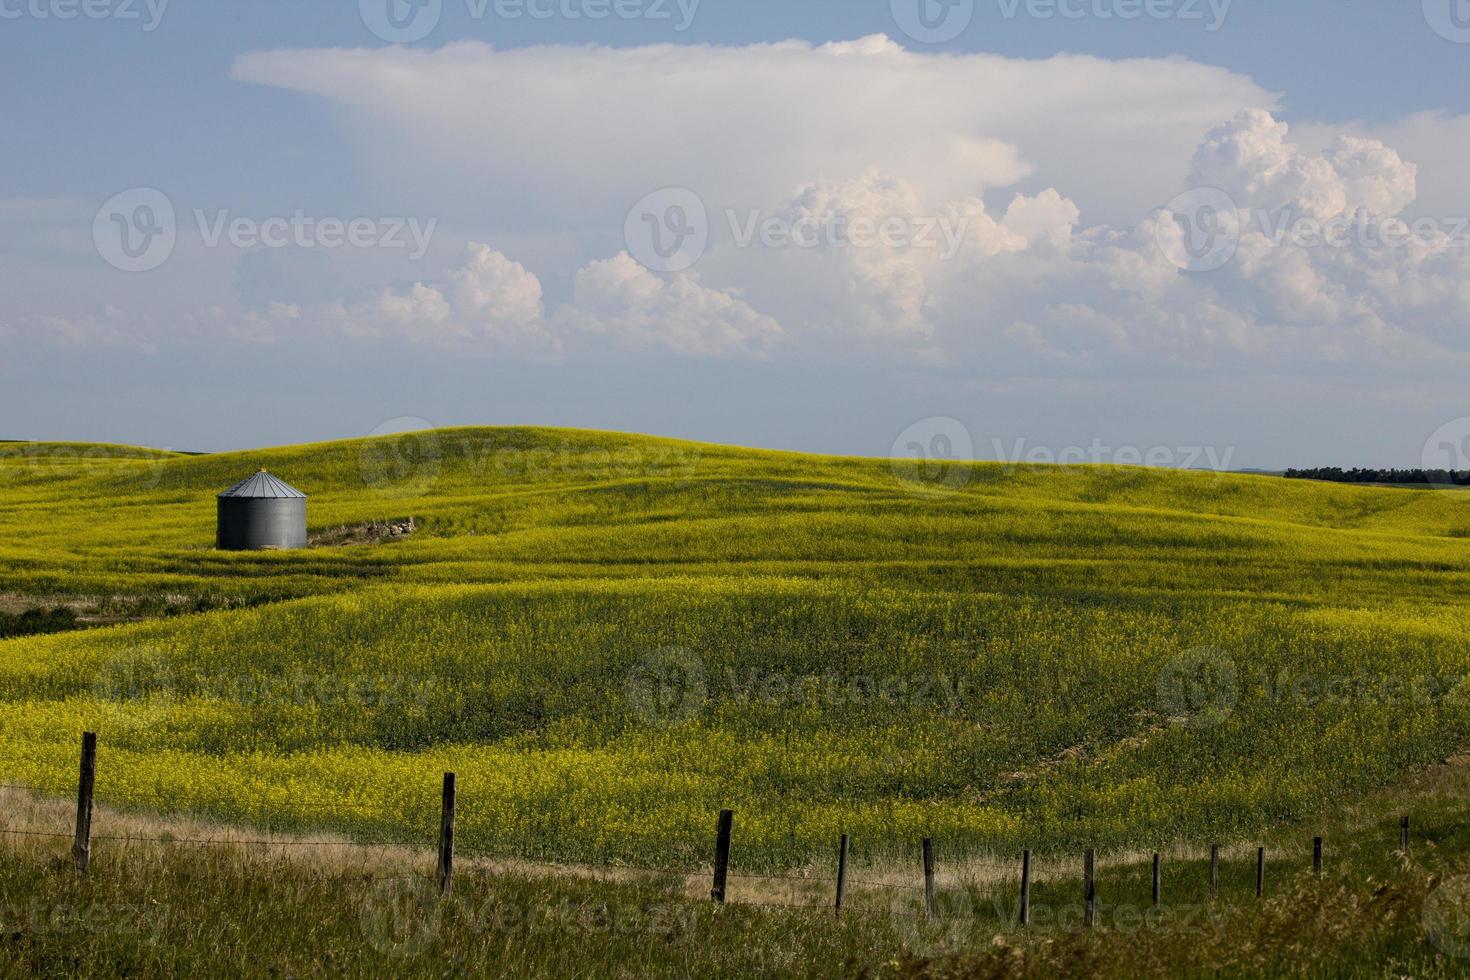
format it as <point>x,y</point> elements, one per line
<point>609,638</point>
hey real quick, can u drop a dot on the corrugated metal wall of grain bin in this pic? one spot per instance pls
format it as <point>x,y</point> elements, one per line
<point>261,513</point>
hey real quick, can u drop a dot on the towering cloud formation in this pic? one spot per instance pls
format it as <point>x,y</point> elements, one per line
<point>867,202</point>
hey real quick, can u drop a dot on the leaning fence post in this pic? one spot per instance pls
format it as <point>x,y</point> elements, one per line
<point>1317,856</point>
<point>81,849</point>
<point>1026,887</point>
<point>1404,833</point>
<point>446,834</point>
<point>1214,871</point>
<point>1158,880</point>
<point>929,876</point>
<point>1089,888</point>
<point>1260,872</point>
<point>722,854</point>
<point>841,871</point>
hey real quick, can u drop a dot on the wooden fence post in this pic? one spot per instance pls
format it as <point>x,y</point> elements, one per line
<point>929,876</point>
<point>446,834</point>
<point>1260,872</point>
<point>1404,833</point>
<point>1214,871</point>
<point>1026,887</point>
<point>722,854</point>
<point>841,871</point>
<point>1317,856</point>
<point>1158,880</point>
<point>1089,888</point>
<point>81,849</point>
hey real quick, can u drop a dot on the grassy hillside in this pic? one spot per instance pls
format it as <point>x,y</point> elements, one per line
<point>610,637</point>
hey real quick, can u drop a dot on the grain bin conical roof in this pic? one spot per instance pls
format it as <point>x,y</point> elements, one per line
<point>262,484</point>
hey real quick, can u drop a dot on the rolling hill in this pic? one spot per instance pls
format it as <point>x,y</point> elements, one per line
<point>610,637</point>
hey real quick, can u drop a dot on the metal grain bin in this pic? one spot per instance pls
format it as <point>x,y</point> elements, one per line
<point>261,513</point>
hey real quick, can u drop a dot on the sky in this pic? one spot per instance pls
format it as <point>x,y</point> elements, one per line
<point>1225,233</point>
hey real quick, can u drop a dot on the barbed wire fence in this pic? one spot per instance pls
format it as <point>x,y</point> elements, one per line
<point>379,856</point>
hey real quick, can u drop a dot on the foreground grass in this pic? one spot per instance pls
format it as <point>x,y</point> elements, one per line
<point>153,910</point>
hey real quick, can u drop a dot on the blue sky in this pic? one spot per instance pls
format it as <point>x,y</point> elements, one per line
<point>1054,329</point>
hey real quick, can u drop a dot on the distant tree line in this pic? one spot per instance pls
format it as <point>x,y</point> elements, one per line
<point>1358,474</point>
